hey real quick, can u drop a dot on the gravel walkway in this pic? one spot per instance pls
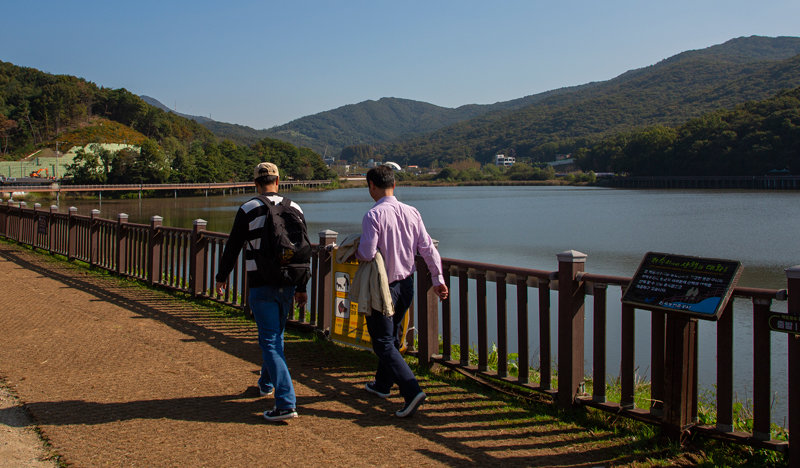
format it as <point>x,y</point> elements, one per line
<point>116,374</point>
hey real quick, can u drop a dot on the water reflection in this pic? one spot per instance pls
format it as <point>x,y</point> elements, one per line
<point>528,226</point>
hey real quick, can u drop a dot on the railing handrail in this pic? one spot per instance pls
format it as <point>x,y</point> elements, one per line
<point>489,267</point>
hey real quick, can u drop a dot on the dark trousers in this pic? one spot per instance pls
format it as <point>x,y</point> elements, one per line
<point>383,331</point>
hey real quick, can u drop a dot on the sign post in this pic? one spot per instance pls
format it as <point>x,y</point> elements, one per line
<point>687,289</point>
<point>349,324</point>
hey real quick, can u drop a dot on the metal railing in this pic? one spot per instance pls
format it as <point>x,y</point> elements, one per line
<point>186,260</point>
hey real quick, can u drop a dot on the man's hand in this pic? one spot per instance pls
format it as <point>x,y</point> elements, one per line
<point>300,298</point>
<point>441,291</point>
<point>221,287</point>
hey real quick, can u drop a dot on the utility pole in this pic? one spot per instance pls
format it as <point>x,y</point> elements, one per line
<point>55,169</point>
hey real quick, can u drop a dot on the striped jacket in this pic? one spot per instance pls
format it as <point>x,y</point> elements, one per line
<point>248,226</point>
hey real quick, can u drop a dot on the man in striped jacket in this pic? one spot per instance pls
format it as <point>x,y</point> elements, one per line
<point>270,304</point>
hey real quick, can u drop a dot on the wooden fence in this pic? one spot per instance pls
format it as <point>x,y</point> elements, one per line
<point>186,259</point>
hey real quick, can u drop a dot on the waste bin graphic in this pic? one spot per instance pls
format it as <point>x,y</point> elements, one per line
<point>349,324</point>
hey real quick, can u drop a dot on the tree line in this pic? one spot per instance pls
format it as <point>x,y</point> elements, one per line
<point>752,139</point>
<point>38,109</point>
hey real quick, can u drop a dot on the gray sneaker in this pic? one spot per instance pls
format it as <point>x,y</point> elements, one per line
<point>411,406</point>
<point>370,387</point>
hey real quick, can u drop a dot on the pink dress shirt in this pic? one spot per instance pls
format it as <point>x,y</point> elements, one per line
<point>397,230</point>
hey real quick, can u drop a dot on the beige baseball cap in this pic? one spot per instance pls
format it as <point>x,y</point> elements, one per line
<point>265,169</point>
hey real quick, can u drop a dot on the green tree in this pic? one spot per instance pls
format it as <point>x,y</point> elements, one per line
<point>86,168</point>
<point>123,166</point>
<point>208,160</point>
<point>182,166</point>
<point>520,171</point>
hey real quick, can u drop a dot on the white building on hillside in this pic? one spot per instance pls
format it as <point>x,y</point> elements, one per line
<point>504,161</point>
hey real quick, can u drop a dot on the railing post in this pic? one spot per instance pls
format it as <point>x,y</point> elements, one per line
<point>522,328</point>
<point>36,207</point>
<point>122,244</point>
<point>7,220</point>
<point>761,368</point>
<point>570,326</point>
<point>658,329</point>
<point>599,343</point>
<point>155,240</point>
<point>21,224</point>
<point>545,350</point>
<point>93,236</point>
<point>502,325</point>
<point>197,257</point>
<point>427,315</point>
<point>627,357</point>
<point>324,288</point>
<point>793,307</point>
<point>725,369</point>
<point>51,229</point>
<point>313,295</point>
<point>680,375</point>
<point>483,325</point>
<point>72,233</point>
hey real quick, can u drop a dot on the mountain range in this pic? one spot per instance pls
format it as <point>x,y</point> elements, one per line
<point>539,126</point>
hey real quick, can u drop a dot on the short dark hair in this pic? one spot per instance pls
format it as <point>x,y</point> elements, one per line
<point>381,176</point>
<point>266,180</point>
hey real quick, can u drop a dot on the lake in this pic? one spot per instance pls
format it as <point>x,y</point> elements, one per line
<point>528,226</point>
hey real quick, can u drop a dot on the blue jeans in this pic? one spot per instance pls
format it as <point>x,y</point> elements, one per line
<point>271,306</point>
<point>383,332</point>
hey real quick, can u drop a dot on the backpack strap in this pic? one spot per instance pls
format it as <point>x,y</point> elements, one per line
<point>264,199</point>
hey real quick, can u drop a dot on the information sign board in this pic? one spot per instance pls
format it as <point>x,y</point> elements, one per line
<point>694,286</point>
<point>785,323</point>
<point>349,324</point>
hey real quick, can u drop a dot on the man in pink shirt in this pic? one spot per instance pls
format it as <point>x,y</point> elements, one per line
<point>397,231</point>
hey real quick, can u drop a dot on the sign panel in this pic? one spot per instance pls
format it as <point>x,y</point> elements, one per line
<point>42,224</point>
<point>785,323</point>
<point>694,286</point>
<point>349,324</point>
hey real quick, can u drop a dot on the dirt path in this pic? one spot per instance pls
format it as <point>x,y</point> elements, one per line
<point>115,374</point>
<point>20,445</point>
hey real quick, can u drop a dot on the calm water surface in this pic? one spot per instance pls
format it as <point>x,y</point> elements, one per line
<point>528,226</point>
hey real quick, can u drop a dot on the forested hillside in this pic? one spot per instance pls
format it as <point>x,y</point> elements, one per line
<point>375,122</point>
<point>38,109</point>
<point>668,93</point>
<point>368,122</point>
<point>537,127</point>
<point>753,139</point>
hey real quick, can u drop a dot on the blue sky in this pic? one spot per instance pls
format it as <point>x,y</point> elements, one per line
<point>265,63</point>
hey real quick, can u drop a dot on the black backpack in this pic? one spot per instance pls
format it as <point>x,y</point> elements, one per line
<point>285,254</point>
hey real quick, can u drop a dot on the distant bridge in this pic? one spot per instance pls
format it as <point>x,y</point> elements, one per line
<point>56,187</point>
